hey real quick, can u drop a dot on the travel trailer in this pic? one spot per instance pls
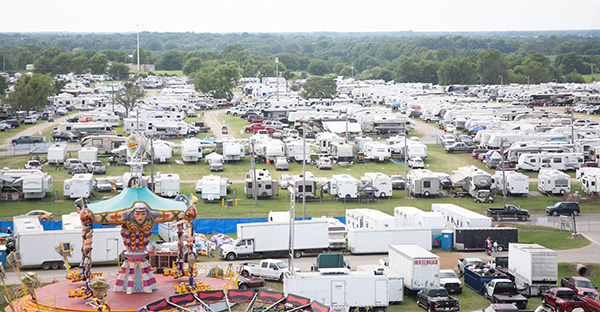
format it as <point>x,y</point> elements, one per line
<point>80,185</point>
<point>342,186</point>
<point>110,119</point>
<point>554,181</point>
<point>377,151</point>
<point>155,127</point>
<point>57,154</point>
<point>295,152</point>
<point>162,152</point>
<point>590,180</point>
<point>88,154</point>
<point>516,182</point>
<point>86,128</point>
<point>105,143</point>
<point>233,151</point>
<point>325,139</point>
<point>304,186</point>
<point>266,186</point>
<point>24,184</point>
<point>191,150</point>
<point>213,187</point>
<point>166,184</point>
<point>380,181</point>
<point>560,161</point>
<point>516,149</point>
<point>423,182</point>
<point>341,151</point>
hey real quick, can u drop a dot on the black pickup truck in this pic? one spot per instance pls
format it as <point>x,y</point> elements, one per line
<point>508,212</point>
<point>436,299</point>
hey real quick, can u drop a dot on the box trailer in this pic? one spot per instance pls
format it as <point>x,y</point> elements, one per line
<point>418,267</point>
<point>411,216</point>
<point>272,239</point>
<point>369,218</point>
<point>533,267</point>
<point>458,217</point>
<point>370,241</point>
<point>347,292</point>
<point>474,238</point>
<point>37,246</point>
<point>57,153</point>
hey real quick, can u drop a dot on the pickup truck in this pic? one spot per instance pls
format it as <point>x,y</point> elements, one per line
<point>508,212</point>
<point>459,147</point>
<point>499,264</point>
<point>581,285</point>
<point>436,299</point>
<point>563,299</point>
<point>500,307</point>
<point>504,291</point>
<point>27,139</point>
<point>268,269</point>
<point>467,262</point>
<point>253,127</point>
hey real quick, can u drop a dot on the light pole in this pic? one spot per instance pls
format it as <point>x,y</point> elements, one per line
<point>527,81</point>
<point>592,66</point>
<point>352,70</point>
<point>277,75</point>
<point>501,79</point>
<point>138,46</point>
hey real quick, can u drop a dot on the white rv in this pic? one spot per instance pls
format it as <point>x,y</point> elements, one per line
<point>87,128</point>
<point>325,139</point>
<point>414,149</point>
<point>266,186</point>
<point>560,161</point>
<point>213,187</point>
<point>423,182</point>
<point>590,178</point>
<point>110,119</point>
<point>162,152</point>
<point>155,126</point>
<point>554,181</point>
<point>80,185</point>
<point>304,186</point>
<point>57,153</point>
<point>377,151</point>
<point>343,186</point>
<point>414,217</point>
<point>233,151</point>
<point>167,184</point>
<point>35,185</point>
<point>87,155</point>
<point>381,181</point>
<point>360,143</point>
<point>104,142</point>
<point>270,149</point>
<point>341,151</point>
<point>516,182</point>
<point>191,150</point>
<point>294,151</point>
<point>459,217</point>
<point>363,218</point>
<point>518,148</point>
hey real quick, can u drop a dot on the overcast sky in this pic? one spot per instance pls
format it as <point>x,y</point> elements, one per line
<point>223,16</point>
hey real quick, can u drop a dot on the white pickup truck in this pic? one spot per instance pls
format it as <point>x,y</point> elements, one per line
<point>268,269</point>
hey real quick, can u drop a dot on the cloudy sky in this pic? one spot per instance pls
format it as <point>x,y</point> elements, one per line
<point>223,16</point>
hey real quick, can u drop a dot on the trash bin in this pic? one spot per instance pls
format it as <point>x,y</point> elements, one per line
<point>230,203</point>
<point>447,240</point>
<point>3,255</point>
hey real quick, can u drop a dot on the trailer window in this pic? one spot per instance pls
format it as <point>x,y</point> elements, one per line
<point>249,185</point>
<point>309,188</point>
<point>268,186</point>
<point>557,160</point>
<point>427,184</point>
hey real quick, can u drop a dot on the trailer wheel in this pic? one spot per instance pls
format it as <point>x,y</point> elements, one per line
<point>55,265</point>
<point>562,192</point>
<point>46,266</point>
<point>478,201</point>
<point>297,254</point>
<point>426,193</point>
<point>382,195</point>
<point>231,256</point>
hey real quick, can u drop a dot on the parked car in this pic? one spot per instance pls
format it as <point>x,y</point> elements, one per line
<point>27,139</point>
<point>459,147</point>
<point>224,129</point>
<point>450,281</point>
<point>33,164</point>
<point>581,285</point>
<point>281,163</point>
<point>563,299</point>
<point>564,208</point>
<point>436,299</point>
<point>76,168</point>
<point>13,122</point>
<point>70,161</point>
<point>96,167</point>
<point>5,126</point>
<point>450,128</point>
<point>284,181</point>
<point>416,162</point>
<point>593,302</point>
<point>324,163</point>
<point>64,136</point>
<point>30,120</point>
<point>102,185</point>
<point>42,215</point>
<point>398,182</point>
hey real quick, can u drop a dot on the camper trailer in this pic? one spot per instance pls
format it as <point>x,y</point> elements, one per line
<point>191,150</point>
<point>84,129</point>
<point>166,184</point>
<point>590,178</point>
<point>213,187</point>
<point>57,153</point>
<point>294,151</point>
<point>423,182</point>
<point>380,181</point>
<point>88,154</point>
<point>156,127</point>
<point>162,152</point>
<point>80,185</point>
<point>458,217</point>
<point>233,151</point>
<point>24,184</point>
<point>554,181</point>
<point>266,186</point>
<point>560,161</point>
<point>377,151</point>
<point>342,152</point>
<point>414,149</point>
<point>360,143</point>
<point>110,119</point>
<point>105,143</point>
<point>304,185</point>
<point>516,182</point>
<point>325,139</point>
<point>342,186</point>
<point>516,149</point>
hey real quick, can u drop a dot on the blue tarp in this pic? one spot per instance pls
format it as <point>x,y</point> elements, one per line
<point>209,139</point>
<point>475,129</point>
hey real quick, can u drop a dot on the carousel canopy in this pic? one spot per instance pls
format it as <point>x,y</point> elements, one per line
<point>130,196</point>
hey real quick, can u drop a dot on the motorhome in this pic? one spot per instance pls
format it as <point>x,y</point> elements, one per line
<point>516,182</point>
<point>459,217</point>
<point>110,119</point>
<point>590,180</point>
<point>423,182</point>
<point>80,185</point>
<point>84,129</point>
<point>233,151</point>
<point>377,151</point>
<point>105,143</point>
<point>518,148</point>
<point>554,181</point>
<point>363,218</point>
<point>342,186</point>
<point>341,151</point>
<point>191,150</point>
<point>167,184</point>
<point>57,154</point>
<point>560,161</point>
<point>162,152</point>
<point>294,151</point>
<point>88,154</point>
<point>304,185</point>
<point>266,186</point>
<point>380,181</point>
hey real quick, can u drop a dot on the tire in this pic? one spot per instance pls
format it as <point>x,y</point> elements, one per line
<point>575,213</point>
<point>231,256</point>
<point>281,277</point>
<point>562,192</point>
<point>555,213</point>
<point>46,266</point>
<point>347,196</point>
<point>544,301</point>
<point>478,201</point>
<point>297,254</point>
<point>426,193</point>
<point>243,286</point>
<point>382,195</point>
<point>55,265</point>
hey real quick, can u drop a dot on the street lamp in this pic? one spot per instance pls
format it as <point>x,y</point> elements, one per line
<point>592,66</point>
<point>501,79</point>
<point>527,81</point>
<point>138,45</point>
<point>277,75</point>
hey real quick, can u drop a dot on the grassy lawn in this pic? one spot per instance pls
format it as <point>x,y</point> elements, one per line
<point>6,135</point>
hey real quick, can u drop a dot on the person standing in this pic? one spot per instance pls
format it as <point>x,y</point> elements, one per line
<point>488,246</point>
<point>495,248</point>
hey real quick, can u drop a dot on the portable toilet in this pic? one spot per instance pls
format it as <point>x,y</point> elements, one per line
<point>447,240</point>
<point>3,255</point>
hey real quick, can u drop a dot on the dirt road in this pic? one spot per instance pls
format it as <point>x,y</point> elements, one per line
<point>211,119</point>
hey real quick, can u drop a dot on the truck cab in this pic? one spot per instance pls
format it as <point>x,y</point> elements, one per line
<point>241,248</point>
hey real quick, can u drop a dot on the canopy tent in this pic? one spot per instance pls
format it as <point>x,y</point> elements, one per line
<point>214,157</point>
<point>476,128</point>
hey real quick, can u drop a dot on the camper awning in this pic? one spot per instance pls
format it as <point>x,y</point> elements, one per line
<point>389,127</point>
<point>457,178</point>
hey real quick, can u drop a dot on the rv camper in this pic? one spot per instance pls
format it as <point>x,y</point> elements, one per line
<point>166,184</point>
<point>325,139</point>
<point>233,151</point>
<point>265,185</point>
<point>516,182</point>
<point>342,152</point>
<point>191,150</point>
<point>304,186</point>
<point>162,152</point>
<point>24,183</point>
<point>560,161</point>
<point>294,151</point>
<point>214,187</point>
<point>423,182</point>
<point>87,155</point>
<point>380,181</point>
<point>377,151</point>
<point>80,185</point>
<point>554,181</point>
<point>105,143</point>
<point>57,153</point>
<point>342,186</point>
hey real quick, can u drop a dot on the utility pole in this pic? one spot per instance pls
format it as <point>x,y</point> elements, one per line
<point>503,172</point>
<point>152,159</point>
<point>292,193</point>
<point>405,163</point>
<point>138,47</point>
<point>277,74</point>
<point>253,163</point>
<point>304,173</point>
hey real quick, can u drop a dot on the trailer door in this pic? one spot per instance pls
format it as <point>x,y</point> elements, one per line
<point>381,292</point>
<point>338,292</point>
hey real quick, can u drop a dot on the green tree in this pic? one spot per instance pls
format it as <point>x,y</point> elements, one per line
<point>98,64</point>
<point>43,65</point>
<point>58,84</point>
<point>80,65</point>
<point>574,76</point>
<point>417,69</point>
<point>23,58</point>
<point>568,62</point>
<point>318,68</point>
<point>491,66</point>
<point>192,65</point>
<point>456,71</point>
<point>118,71</point>
<point>3,85</point>
<point>319,88</point>
<point>31,92</point>
<point>144,57</point>
<point>217,81</point>
<point>61,64</point>
<point>170,60</point>
<point>129,96</point>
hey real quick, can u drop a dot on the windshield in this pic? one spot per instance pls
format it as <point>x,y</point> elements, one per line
<point>448,274</point>
<point>103,181</point>
<point>584,284</point>
<point>397,178</point>
<point>282,265</point>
